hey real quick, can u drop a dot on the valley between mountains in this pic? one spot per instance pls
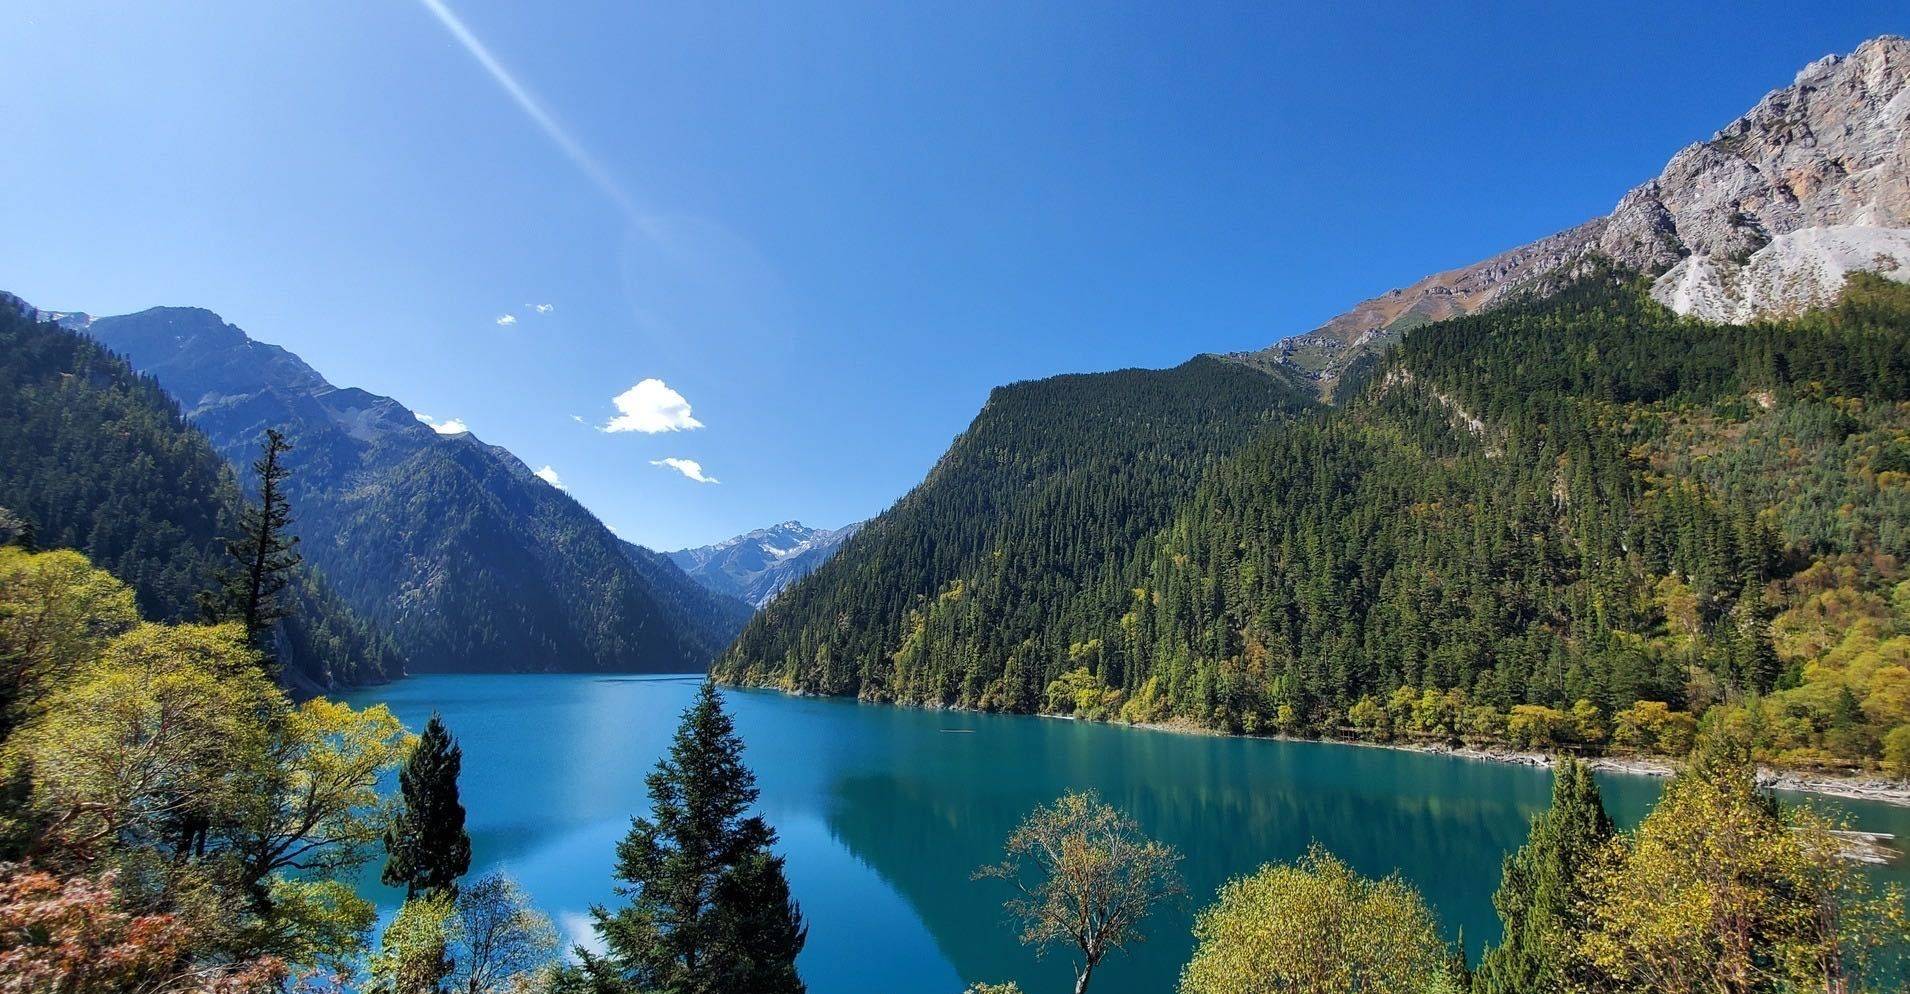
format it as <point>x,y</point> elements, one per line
<point>303,691</point>
<point>1582,494</point>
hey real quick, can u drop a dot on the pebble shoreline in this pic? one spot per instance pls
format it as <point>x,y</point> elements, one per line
<point>1829,785</point>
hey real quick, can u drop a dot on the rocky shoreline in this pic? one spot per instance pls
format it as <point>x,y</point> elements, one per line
<point>1856,788</point>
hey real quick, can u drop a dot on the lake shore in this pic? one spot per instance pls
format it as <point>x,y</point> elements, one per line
<point>1856,788</point>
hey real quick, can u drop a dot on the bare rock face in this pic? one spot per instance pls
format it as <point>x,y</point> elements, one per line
<point>1452,293</point>
<point>1766,217</point>
<point>1828,150</point>
<point>1797,271</point>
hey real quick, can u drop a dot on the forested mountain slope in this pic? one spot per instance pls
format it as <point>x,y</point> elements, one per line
<point>1524,522</point>
<point>98,458</point>
<point>964,591</point>
<point>1543,495</point>
<point>464,555</point>
<point>1585,498</point>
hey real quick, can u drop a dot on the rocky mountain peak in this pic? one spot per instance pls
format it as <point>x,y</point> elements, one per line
<point>758,564</point>
<point>70,320</point>
<point>1827,150</point>
<point>1767,216</point>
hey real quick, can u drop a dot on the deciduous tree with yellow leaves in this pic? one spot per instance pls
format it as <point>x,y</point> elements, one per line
<point>1316,927</point>
<point>1722,890</point>
<point>160,766</point>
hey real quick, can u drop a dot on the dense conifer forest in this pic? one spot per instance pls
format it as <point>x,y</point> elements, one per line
<point>97,458</point>
<point>1066,474</point>
<point>1580,521</point>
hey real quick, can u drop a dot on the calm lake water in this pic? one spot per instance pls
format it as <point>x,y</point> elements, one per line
<point>884,812</point>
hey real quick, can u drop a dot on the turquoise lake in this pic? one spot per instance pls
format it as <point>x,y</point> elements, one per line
<point>884,812</point>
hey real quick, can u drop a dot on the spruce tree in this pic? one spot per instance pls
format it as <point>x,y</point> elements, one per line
<point>762,920</point>
<point>427,847</point>
<point>15,529</point>
<point>263,554</point>
<point>709,909</point>
<point>1541,883</point>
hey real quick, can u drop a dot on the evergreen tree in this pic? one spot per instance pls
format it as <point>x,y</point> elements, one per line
<point>263,553</point>
<point>1543,881</point>
<point>15,530</point>
<point>709,909</point>
<point>96,458</point>
<point>763,919</point>
<point>1457,969</point>
<point>427,846</point>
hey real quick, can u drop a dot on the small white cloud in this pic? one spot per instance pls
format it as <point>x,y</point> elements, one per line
<point>454,426</point>
<point>577,418</point>
<point>549,475</point>
<point>580,930</point>
<point>651,407</point>
<point>506,320</point>
<point>543,308</point>
<point>688,467</point>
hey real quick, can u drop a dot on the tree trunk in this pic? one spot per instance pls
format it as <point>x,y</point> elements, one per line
<point>1081,979</point>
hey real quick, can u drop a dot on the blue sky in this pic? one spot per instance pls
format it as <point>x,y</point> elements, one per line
<point>828,228</point>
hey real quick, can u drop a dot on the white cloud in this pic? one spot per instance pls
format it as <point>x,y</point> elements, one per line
<point>580,930</point>
<point>543,308</point>
<point>549,475</point>
<point>453,426</point>
<point>577,418</point>
<point>506,320</point>
<point>688,467</point>
<point>651,407</point>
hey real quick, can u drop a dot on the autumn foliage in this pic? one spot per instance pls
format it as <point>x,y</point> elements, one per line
<point>71,936</point>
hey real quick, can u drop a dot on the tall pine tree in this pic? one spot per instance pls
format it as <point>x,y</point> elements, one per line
<point>709,911</point>
<point>1542,882</point>
<point>263,554</point>
<point>427,846</point>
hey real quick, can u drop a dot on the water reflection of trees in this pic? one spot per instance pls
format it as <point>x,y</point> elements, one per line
<point>1230,805</point>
